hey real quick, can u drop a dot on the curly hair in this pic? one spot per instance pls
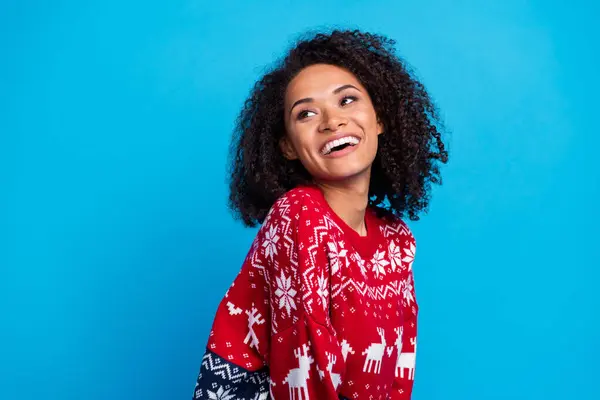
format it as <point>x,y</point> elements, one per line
<point>408,154</point>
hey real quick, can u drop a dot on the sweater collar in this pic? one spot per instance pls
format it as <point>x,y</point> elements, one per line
<point>365,245</point>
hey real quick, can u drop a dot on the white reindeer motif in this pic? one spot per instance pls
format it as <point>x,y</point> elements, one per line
<point>346,349</point>
<point>336,379</point>
<point>407,360</point>
<point>374,354</point>
<point>398,344</point>
<point>254,317</point>
<point>297,377</point>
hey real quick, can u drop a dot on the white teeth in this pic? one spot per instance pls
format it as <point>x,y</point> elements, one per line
<point>338,142</point>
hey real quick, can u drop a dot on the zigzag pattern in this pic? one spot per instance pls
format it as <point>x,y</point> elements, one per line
<point>391,230</point>
<point>392,289</point>
<point>309,274</point>
<point>283,205</point>
<point>219,367</point>
<point>219,377</point>
<point>222,369</point>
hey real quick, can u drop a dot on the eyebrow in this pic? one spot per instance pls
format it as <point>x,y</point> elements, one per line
<point>310,99</point>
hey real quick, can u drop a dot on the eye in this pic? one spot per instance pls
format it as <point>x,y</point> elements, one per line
<point>353,98</point>
<point>303,114</point>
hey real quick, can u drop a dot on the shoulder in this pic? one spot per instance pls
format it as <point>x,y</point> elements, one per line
<point>402,245</point>
<point>297,204</point>
<point>296,268</point>
<point>284,230</point>
<point>401,242</point>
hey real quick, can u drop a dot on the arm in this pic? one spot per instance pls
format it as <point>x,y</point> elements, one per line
<point>305,358</point>
<point>272,331</point>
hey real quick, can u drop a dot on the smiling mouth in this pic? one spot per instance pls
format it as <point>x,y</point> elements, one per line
<point>339,145</point>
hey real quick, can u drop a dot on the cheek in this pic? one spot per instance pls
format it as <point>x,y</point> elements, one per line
<point>302,134</point>
<point>372,145</point>
<point>366,117</point>
<point>300,140</point>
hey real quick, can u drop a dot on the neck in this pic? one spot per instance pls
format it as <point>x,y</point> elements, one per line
<point>349,200</point>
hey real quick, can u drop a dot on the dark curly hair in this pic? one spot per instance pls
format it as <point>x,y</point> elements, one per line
<point>408,153</point>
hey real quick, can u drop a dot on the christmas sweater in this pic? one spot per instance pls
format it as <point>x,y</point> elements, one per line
<point>317,311</point>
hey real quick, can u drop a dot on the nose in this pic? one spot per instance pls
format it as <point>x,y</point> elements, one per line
<point>332,121</point>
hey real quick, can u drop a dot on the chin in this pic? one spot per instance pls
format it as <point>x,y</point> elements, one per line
<point>348,167</point>
<point>345,174</point>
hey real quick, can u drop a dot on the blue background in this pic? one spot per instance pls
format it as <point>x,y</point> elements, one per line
<point>116,244</point>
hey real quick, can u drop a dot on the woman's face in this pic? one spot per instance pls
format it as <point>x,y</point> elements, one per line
<point>331,125</point>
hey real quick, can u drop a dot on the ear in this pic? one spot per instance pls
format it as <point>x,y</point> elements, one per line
<point>287,148</point>
<point>380,128</point>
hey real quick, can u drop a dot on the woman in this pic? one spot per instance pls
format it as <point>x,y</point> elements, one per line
<point>333,148</point>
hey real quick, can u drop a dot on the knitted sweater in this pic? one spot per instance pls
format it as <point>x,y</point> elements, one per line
<point>317,311</point>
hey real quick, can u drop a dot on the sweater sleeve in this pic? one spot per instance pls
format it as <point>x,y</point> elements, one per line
<point>405,366</point>
<point>305,360</point>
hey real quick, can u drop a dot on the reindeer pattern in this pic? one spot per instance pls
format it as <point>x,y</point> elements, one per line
<point>407,361</point>
<point>297,378</point>
<point>375,353</point>
<point>336,379</point>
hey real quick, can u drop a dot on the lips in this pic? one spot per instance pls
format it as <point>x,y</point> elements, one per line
<point>341,153</point>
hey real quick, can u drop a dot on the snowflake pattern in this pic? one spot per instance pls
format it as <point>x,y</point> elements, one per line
<point>395,255</point>
<point>335,255</point>
<point>270,243</point>
<point>379,263</point>
<point>285,292</point>
<point>220,394</point>
<point>410,255</point>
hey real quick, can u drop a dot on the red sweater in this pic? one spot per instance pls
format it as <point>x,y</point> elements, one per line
<point>317,311</point>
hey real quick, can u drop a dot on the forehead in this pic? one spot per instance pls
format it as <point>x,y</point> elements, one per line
<point>319,79</point>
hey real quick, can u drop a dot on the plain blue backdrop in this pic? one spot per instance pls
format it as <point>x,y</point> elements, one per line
<point>116,244</point>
